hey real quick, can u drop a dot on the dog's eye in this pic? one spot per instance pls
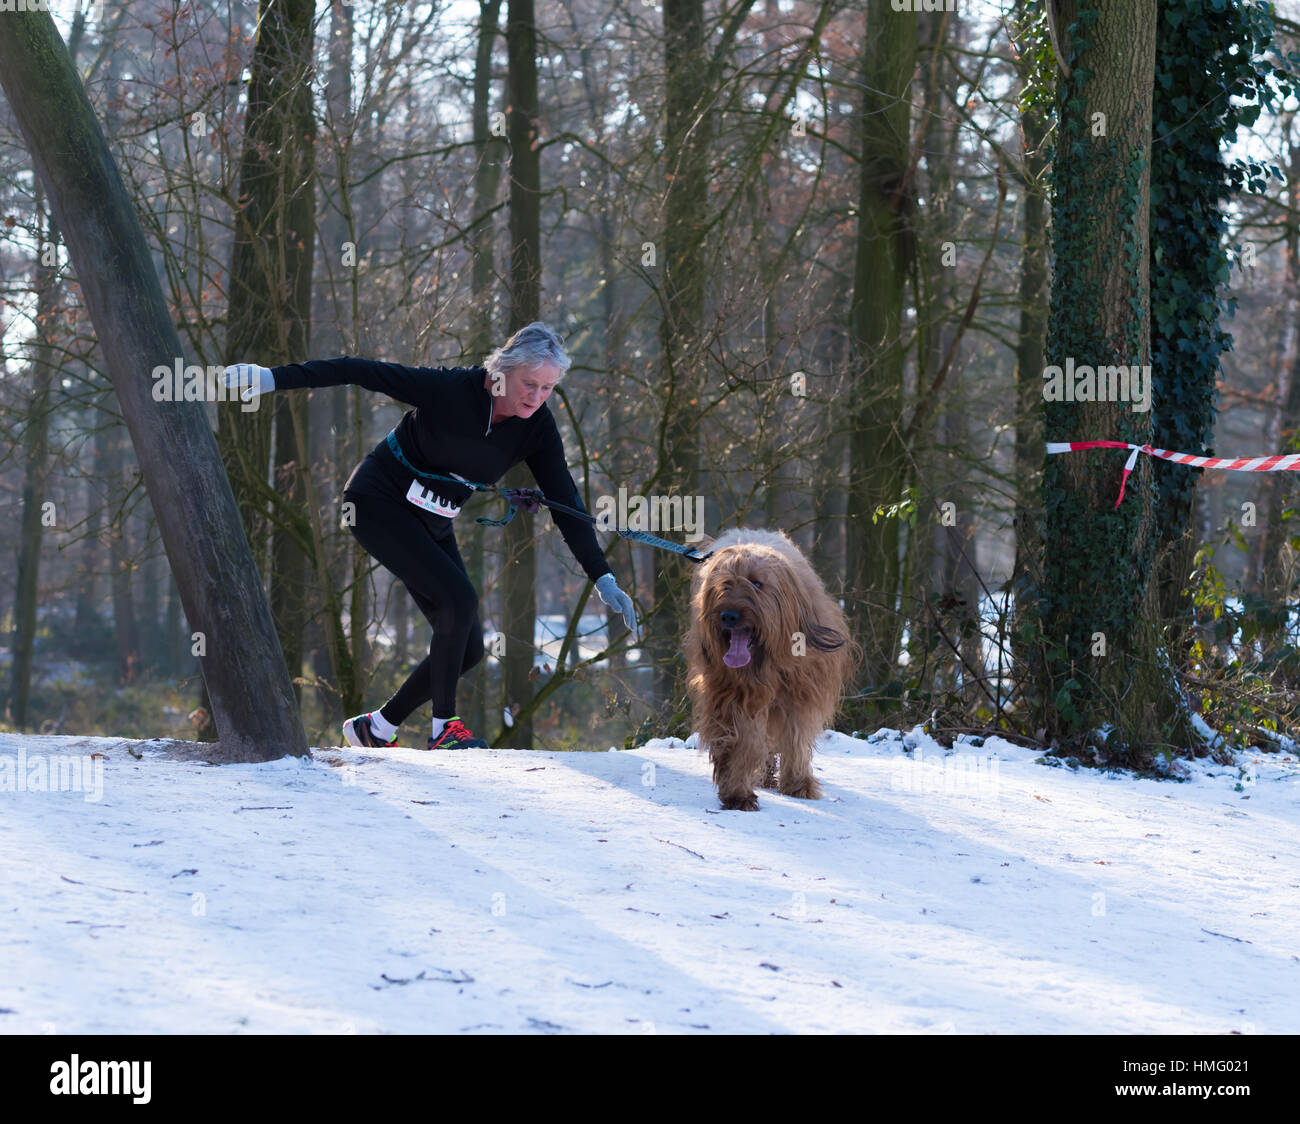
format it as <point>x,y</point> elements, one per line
<point>755,583</point>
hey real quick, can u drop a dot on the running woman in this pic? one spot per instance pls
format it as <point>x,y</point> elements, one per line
<point>474,423</point>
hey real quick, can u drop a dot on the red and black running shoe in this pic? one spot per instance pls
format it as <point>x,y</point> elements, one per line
<point>456,735</point>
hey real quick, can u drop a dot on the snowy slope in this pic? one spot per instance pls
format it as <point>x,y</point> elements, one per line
<point>494,890</point>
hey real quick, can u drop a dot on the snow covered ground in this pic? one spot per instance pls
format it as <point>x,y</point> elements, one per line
<point>932,891</point>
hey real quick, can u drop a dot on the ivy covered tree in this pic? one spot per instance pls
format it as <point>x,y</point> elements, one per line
<point>1135,276</point>
<point>1105,680</point>
<point>1211,77</point>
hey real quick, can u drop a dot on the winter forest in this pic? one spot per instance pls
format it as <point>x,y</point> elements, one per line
<point>912,381</point>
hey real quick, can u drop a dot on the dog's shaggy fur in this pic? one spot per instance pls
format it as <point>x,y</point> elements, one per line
<point>768,657</point>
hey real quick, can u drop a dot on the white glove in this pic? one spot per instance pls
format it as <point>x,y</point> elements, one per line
<point>616,599</point>
<point>251,380</point>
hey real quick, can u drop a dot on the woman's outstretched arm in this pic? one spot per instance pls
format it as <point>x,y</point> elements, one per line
<point>412,385</point>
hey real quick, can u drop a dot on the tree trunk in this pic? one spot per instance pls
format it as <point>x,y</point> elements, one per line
<point>35,471</point>
<point>877,462</point>
<point>36,446</point>
<point>492,153</point>
<point>1106,676</point>
<point>270,294</point>
<point>341,257</point>
<point>251,695</point>
<point>336,223</point>
<point>519,581</point>
<point>155,614</point>
<point>1027,571</point>
<point>1269,564</point>
<point>87,611</point>
<point>1190,262</point>
<point>955,575</point>
<point>688,132</point>
<point>174,652</point>
<point>121,562</point>
<point>618,405</point>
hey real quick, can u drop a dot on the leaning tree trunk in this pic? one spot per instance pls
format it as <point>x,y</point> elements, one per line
<point>1107,679</point>
<point>877,461</point>
<point>252,698</point>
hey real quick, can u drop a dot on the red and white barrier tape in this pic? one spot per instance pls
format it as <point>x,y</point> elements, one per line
<point>1277,463</point>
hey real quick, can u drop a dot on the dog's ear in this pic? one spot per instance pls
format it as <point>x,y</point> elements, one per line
<point>822,638</point>
<point>695,646</point>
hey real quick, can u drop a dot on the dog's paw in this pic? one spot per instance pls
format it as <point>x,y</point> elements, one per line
<point>806,788</point>
<point>744,802</point>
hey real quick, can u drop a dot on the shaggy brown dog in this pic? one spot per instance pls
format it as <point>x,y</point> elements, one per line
<point>768,656</point>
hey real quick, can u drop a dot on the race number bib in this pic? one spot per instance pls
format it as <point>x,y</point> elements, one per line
<point>423,497</point>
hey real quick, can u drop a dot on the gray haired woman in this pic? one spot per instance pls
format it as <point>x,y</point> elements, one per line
<point>474,424</point>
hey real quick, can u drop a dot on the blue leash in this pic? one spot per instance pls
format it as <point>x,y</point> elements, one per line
<point>538,497</point>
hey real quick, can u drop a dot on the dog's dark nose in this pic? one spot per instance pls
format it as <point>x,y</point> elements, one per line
<point>729,618</point>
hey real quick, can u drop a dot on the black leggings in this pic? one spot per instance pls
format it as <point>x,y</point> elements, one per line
<point>395,534</point>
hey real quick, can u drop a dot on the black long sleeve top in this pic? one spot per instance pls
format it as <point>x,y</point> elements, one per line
<point>451,430</point>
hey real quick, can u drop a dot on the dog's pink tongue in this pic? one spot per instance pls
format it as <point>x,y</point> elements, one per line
<point>738,654</point>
